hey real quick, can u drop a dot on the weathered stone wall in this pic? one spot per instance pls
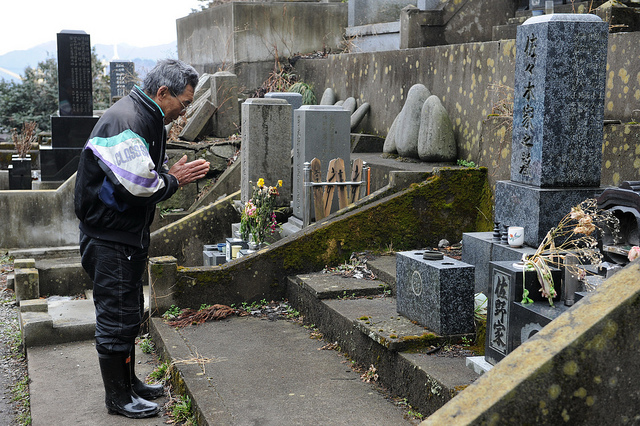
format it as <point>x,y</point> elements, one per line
<point>579,369</point>
<point>465,77</point>
<point>244,38</point>
<point>39,218</point>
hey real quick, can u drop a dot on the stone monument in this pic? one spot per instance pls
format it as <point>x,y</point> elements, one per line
<point>122,76</point>
<point>556,152</point>
<point>266,146</point>
<point>71,128</point>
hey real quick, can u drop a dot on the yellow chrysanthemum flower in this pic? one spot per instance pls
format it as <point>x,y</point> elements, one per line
<point>260,183</point>
<point>280,182</point>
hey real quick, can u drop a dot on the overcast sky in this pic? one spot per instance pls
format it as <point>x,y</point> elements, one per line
<point>27,23</point>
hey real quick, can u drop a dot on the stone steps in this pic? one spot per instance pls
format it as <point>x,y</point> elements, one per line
<point>59,320</point>
<point>369,330</point>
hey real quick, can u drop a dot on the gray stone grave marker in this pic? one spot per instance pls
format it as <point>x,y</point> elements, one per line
<point>558,116</point>
<point>266,146</point>
<point>558,106</point>
<point>322,132</point>
<point>70,130</point>
<point>295,99</point>
<point>224,95</point>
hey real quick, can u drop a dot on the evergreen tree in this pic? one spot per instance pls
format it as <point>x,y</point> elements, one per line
<point>36,97</point>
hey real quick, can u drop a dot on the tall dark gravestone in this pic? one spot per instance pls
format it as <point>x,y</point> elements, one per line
<point>556,150</point>
<point>75,89</point>
<point>122,76</point>
<point>75,121</point>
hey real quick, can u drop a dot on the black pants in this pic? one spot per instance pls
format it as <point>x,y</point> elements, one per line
<point>116,271</point>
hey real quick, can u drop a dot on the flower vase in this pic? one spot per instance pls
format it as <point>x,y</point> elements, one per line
<point>20,172</point>
<point>253,245</point>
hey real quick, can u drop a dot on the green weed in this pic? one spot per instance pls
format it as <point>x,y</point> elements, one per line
<point>146,346</point>
<point>181,411</point>
<point>161,372</point>
<point>172,313</point>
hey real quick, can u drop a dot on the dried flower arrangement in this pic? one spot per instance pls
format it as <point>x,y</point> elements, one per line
<point>574,236</point>
<point>23,140</point>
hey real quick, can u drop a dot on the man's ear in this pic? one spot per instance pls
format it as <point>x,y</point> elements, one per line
<point>162,92</point>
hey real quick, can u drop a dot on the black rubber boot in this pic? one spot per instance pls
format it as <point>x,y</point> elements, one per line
<point>119,396</point>
<point>141,388</point>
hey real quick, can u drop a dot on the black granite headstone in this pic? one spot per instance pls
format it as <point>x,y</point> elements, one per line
<point>505,289</point>
<point>122,76</point>
<point>75,89</point>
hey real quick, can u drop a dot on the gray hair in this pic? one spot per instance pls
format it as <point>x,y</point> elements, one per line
<point>173,73</point>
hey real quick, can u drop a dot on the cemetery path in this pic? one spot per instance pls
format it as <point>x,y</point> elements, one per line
<point>13,366</point>
<point>246,370</point>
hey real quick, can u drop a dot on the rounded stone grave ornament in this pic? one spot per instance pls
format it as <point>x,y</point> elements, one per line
<point>416,283</point>
<point>432,255</point>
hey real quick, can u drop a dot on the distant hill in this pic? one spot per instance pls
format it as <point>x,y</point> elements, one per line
<point>13,63</point>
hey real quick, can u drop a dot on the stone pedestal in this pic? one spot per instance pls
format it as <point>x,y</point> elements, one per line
<point>478,249</point>
<point>71,132</point>
<point>534,208</point>
<point>437,294</point>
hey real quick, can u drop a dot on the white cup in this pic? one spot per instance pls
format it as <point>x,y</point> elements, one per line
<point>548,7</point>
<point>515,236</point>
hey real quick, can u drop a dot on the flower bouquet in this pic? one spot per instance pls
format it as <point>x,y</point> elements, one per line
<point>259,214</point>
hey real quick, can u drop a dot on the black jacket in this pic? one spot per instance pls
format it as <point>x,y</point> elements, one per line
<point>122,173</point>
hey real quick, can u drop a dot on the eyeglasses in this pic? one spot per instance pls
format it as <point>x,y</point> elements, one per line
<point>184,107</point>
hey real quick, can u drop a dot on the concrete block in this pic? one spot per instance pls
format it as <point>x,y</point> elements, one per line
<point>34,305</point>
<point>478,364</point>
<point>439,294</point>
<point>24,263</point>
<point>11,282</point>
<point>36,327</point>
<point>27,284</point>
<point>321,132</point>
<point>162,277</point>
<point>213,258</point>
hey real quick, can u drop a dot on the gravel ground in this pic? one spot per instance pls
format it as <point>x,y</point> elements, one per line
<point>13,364</point>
